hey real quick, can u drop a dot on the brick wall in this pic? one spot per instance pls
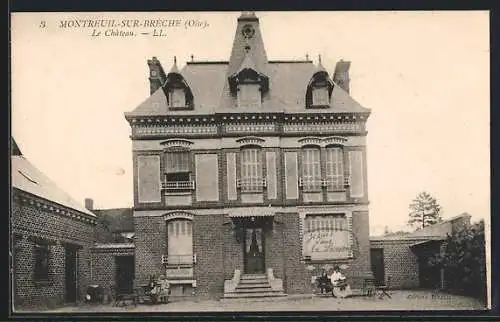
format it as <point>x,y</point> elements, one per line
<point>401,264</point>
<point>150,245</point>
<point>233,251</point>
<point>296,279</point>
<point>29,222</point>
<point>208,239</point>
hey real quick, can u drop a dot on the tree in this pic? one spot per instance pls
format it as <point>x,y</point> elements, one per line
<point>424,211</point>
<point>464,261</point>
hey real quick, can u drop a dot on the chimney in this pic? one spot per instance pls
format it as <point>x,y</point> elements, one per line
<point>89,204</point>
<point>341,75</point>
<point>157,75</point>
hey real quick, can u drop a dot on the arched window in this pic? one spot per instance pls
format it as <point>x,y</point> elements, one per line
<point>180,242</point>
<point>249,96</point>
<point>320,96</point>
<point>334,163</point>
<point>311,169</point>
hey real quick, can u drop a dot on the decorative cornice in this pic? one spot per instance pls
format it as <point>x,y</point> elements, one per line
<point>250,140</point>
<point>178,214</point>
<point>177,143</point>
<point>311,140</point>
<point>49,206</point>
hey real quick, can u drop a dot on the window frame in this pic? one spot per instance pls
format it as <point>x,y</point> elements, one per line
<point>334,168</point>
<point>311,177</point>
<point>173,94</point>
<point>179,259</point>
<point>41,254</point>
<point>251,175</point>
<point>185,156</point>
<point>325,99</point>
<point>245,102</point>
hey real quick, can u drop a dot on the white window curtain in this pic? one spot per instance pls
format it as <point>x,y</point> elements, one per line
<point>249,96</point>
<point>251,170</point>
<point>180,242</point>
<point>178,161</point>
<point>334,168</point>
<point>311,169</point>
<point>177,97</point>
<point>326,237</point>
<point>320,96</point>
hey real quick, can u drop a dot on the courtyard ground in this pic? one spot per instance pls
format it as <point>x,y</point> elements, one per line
<point>401,300</point>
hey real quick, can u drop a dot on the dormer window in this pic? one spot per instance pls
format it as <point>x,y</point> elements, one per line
<point>320,96</point>
<point>177,98</point>
<point>249,96</point>
<point>319,90</point>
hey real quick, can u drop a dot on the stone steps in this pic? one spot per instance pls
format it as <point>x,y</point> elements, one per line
<point>253,286</point>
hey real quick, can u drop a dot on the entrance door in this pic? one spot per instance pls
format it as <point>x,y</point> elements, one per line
<point>378,268</point>
<point>125,271</point>
<point>71,274</point>
<point>254,251</point>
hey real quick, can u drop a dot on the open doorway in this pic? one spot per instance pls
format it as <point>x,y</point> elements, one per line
<point>71,274</point>
<point>125,273</point>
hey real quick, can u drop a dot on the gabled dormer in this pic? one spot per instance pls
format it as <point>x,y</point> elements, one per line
<point>247,71</point>
<point>320,87</point>
<point>248,85</point>
<point>178,93</point>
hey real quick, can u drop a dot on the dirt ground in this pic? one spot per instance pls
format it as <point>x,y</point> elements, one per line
<point>400,300</point>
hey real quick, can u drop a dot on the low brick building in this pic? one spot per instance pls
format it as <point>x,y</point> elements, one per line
<point>51,236</point>
<point>403,260</point>
<point>249,170</point>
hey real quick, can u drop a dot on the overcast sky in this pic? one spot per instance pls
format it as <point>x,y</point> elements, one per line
<point>425,75</point>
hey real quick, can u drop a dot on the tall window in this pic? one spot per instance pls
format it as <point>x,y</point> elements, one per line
<point>177,97</point>
<point>249,96</point>
<point>180,242</point>
<point>320,96</point>
<point>251,170</point>
<point>326,237</point>
<point>178,170</point>
<point>42,253</point>
<point>334,168</point>
<point>311,169</point>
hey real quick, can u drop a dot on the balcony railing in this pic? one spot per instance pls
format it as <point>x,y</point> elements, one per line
<point>186,259</point>
<point>251,184</point>
<point>178,185</point>
<point>309,184</point>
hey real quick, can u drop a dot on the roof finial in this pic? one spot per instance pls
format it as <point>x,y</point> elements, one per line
<point>307,56</point>
<point>319,58</point>
<point>175,59</point>
<point>192,57</point>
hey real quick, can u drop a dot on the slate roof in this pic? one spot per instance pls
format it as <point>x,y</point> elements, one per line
<point>209,83</point>
<point>287,91</point>
<point>26,177</point>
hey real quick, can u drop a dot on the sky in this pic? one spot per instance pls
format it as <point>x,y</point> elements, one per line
<point>424,75</point>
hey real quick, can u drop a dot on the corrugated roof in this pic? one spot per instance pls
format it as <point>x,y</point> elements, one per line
<point>287,92</point>
<point>26,177</point>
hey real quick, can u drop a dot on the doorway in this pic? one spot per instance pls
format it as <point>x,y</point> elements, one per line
<point>71,274</point>
<point>125,273</point>
<point>254,250</point>
<point>377,263</point>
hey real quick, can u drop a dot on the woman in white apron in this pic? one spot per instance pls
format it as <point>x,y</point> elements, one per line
<point>340,287</point>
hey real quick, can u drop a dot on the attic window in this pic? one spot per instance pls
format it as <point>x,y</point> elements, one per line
<point>27,177</point>
<point>177,98</point>
<point>249,96</point>
<point>320,96</point>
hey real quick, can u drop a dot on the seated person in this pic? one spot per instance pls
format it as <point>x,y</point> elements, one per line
<point>340,287</point>
<point>324,283</point>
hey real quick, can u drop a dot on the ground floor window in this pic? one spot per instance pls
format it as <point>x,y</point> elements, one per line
<point>180,242</point>
<point>326,236</point>
<point>42,254</point>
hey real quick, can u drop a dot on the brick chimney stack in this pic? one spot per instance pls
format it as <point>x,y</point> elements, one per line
<point>341,75</point>
<point>89,204</point>
<point>157,75</point>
